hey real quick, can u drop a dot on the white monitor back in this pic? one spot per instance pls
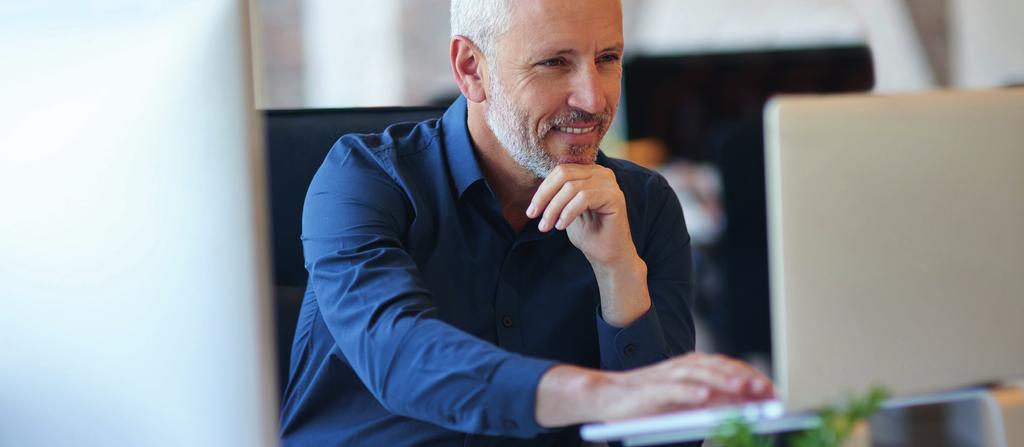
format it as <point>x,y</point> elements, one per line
<point>896,229</point>
<point>133,277</point>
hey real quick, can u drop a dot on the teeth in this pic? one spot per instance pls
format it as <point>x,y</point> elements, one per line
<point>577,130</point>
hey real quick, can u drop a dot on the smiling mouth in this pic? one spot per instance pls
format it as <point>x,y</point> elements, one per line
<point>577,130</point>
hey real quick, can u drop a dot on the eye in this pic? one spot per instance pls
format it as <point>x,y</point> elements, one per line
<point>556,62</point>
<point>606,58</point>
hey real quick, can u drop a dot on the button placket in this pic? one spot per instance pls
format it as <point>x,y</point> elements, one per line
<point>629,350</point>
<point>506,305</point>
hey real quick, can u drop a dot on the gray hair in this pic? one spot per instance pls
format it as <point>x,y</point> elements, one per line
<point>481,21</point>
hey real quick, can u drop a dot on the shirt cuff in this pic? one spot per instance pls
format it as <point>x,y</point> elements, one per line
<point>641,343</point>
<point>514,385</point>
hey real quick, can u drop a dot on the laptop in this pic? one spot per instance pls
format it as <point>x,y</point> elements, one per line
<point>896,240</point>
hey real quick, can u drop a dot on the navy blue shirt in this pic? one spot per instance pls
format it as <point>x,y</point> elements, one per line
<point>428,320</point>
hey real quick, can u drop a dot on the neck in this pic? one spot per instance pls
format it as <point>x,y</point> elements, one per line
<point>513,185</point>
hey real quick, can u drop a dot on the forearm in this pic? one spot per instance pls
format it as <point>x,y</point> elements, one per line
<point>624,293</point>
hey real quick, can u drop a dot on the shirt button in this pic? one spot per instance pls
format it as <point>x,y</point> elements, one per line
<point>629,350</point>
<point>506,321</point>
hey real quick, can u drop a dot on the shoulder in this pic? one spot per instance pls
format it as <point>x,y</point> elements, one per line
<point>358,180</point>
<point>364,166</point>
<point>382,151</point>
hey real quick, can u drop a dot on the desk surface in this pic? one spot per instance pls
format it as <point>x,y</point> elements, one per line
<point>1003,423</point>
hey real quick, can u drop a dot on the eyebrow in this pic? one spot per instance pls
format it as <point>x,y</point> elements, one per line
<point>616,48</point>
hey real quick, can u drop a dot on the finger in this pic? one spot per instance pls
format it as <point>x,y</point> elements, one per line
<point>712,361</point>
<point>762,387</point>
<point>687,394</point>
<point>575,208</point>
<point>729,399</point>
<point>740,376</point>
<point>755,382</point>
<point>726,365</point>
<point>570,190</point>
<point>551,185</point>
<point>601,201</point>
<point>708,377</point>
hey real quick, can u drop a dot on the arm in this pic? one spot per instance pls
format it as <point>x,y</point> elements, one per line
<point>646,304</point>
<point>586,202</point>
<point>644,315</point>
<point>383,318</point>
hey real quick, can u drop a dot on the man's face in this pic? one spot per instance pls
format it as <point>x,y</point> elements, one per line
<point>554,87</point>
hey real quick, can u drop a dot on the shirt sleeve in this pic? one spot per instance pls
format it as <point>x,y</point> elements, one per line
<point>666,329</point>
<point>382,316</point>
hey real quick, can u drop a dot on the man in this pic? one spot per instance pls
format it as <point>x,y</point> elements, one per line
<point>491,277</point>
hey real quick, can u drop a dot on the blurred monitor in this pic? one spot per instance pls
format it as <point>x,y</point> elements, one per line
<point>707,108</point>
<point>897,256</point>
<point>691,101</point>
<point>133,258</point>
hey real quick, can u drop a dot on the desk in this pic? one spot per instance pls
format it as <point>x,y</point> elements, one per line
<point>1001,421</point>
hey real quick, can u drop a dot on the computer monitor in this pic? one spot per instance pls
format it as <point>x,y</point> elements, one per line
<point>133,258</point>
<point>897,250</point>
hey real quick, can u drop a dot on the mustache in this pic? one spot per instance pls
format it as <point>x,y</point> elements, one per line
<point>575,115</point>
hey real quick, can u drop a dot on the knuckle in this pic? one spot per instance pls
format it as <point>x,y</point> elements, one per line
<point>681,373</point>
<point>558,172</point>
<point>573,186</point>
<point>570,210</point>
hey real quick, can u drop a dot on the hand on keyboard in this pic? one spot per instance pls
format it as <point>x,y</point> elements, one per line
<point>691,381</point>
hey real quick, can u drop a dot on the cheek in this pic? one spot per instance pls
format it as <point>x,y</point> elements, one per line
<point>543,106</point>
<point>612,88</point>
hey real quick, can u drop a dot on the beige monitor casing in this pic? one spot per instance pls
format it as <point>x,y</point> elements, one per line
<point>896,233</point>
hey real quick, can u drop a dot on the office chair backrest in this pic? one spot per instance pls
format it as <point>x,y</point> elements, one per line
<point>297,141</point>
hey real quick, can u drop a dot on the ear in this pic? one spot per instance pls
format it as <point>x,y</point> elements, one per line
<point>469,69</point>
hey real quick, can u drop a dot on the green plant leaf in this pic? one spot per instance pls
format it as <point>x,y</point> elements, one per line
<point>837,423</point>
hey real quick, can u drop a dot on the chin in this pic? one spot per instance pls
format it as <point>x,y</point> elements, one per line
<point>577,160</point>
<point>579,155</point>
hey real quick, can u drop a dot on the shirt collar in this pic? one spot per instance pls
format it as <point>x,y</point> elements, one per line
<point>458,147</point>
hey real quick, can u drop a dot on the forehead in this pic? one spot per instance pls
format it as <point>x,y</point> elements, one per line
<point>544,25</point>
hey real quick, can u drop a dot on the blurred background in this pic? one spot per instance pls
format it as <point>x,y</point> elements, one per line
<point>696,77</point>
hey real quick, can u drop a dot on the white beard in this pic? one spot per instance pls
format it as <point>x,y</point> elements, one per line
<point>510,127</point>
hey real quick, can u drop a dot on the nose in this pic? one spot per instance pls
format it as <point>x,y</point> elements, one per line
<point>587,93</point>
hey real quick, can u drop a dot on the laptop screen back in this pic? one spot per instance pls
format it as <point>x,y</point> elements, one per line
<point>897,250</point>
